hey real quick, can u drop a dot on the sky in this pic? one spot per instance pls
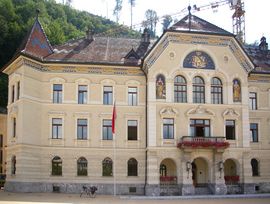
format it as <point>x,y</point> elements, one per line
<point>256,16</point>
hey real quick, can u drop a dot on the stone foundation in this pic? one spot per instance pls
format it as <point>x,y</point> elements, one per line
<point>188,189</point>
<point>218,189</point>
<point>152,190</point>
<point>107,189</point>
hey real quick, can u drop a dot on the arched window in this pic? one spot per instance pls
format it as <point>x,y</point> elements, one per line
<point>107,167</point>
<point>82,167</point>
<point>180,89</point>
<point>57,166</point>
<point>255,167</point>
<point>13,165</point>
<point>160,87</point>
<point>132,167</point>
<point>198,90</point>
<point>236,90</point>
<point>216,91</point>
<point>163,170</point>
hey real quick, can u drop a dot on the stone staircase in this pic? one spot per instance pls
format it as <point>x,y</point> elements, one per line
<point>169,190</point>
<point>202,191</point>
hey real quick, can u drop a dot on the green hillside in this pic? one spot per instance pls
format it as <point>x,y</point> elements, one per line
<point>60,22</point>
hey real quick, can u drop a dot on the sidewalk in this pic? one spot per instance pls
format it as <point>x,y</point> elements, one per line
<point>60,198</point>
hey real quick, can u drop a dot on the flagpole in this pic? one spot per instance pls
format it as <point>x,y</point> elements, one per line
<point>114,166</point>
<point>114,148</point>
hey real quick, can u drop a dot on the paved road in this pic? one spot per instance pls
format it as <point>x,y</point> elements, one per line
<point>55,198</point>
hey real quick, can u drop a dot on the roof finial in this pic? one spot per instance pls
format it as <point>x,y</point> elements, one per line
<point>37,13</point>
<point>189,17</point>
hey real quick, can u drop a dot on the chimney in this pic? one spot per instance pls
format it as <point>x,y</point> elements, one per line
<point>145,37</point>
<point>89,35</point>
<point>263,45</point>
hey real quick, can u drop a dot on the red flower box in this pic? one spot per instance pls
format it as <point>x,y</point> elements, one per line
<point>203,144</point>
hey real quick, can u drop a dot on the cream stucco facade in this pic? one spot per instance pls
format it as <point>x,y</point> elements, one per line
<point>165,164</point>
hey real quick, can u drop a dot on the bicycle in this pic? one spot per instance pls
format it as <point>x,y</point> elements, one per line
<point>90,191</point>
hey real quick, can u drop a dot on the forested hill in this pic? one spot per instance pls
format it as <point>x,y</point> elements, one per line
<point>60,22</point>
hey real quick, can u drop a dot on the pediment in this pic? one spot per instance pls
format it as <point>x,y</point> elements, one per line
<point>168,112</point>
<point>178,37</point>
<point>200,111</point>
<point>230,113</point>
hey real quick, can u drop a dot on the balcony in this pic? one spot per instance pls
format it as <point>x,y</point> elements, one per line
<point>203,142</point>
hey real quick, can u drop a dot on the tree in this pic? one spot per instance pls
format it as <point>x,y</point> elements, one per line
<point>117,9</point>
<point>166,21</point>
<point>132,4</point>
<point>151,21</point>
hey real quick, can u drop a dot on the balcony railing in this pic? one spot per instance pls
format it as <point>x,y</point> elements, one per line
<point>203,142</point>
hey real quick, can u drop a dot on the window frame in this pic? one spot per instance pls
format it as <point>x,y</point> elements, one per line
<point>57,93</point>
<point>233,137</point>
<point>82,94</point>
<point>132,167</point>
<point>180,89</point>
<point>255,167</point>
<point>254,130</point>
<point>194,123</point>
<point>107,163</point>
<point>57,166</point>
<point>107,95</point>
<point>82,167</point>
<point>253,101</point>
<point>18,90</point>
<point>108,131</point>
<point>168,128</point>
<point>82,129</point>
<point>132,102</point>
<point>198,90</point>
<point>129,137</point>
<point>216,91</point>
<point>58,126</point>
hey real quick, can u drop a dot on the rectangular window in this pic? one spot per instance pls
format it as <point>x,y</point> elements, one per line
<point>57,93</point>
<point>18,90</point>
<point>199,128</point>
<point>56,128</point>
<point>168,128</point>
<point>230,129</point>
<point>1,141</point>
<point>132,96</point>
<point>132,129</point>
<point>14,127</point>
<point>82,129</point>
<point>13,94</point>
<point>82,94</point>
<point>107,95</point>
<point>253,101</point>
<point>254,132</point>
<point>1,158</point>
<point>107,130</point>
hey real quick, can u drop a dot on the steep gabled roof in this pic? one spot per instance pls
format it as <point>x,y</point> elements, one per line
<point>195,24</point>
<point>36,42</point>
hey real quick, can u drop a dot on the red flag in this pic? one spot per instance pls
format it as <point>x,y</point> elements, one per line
<point>113,118</point>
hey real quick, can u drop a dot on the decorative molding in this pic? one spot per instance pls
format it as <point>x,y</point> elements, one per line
<point>82,114</point>
<point>84,70</point>
<point>200,110</point>
<point>218,41</point>
<point>59,113</point>
<point>13,111</point>
<point>168,112</point>
<point>230,113</point>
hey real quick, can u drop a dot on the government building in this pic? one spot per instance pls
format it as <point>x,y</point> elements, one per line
<point>192,113</point>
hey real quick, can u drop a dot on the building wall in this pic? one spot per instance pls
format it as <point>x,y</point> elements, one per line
<point>3,135</point>
<point>34,147</point>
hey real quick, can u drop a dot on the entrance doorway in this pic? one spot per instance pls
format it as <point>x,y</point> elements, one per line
<point>200,173</point>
